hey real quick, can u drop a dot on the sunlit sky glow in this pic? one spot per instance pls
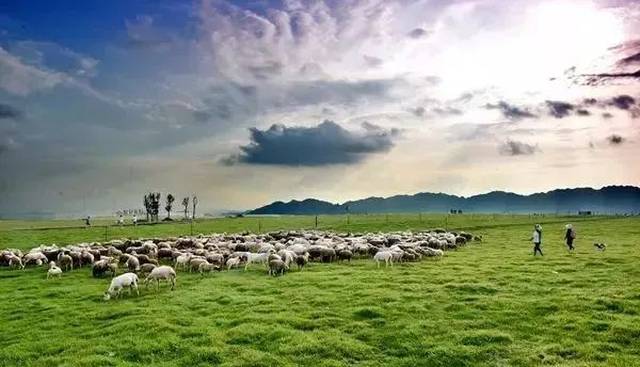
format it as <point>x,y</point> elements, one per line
<point>104,101</point>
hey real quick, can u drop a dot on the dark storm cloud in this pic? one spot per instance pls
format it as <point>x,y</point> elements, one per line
<point>325,144</point>
<point>509,111</point>
<point>9,112</point>
<point>623,102</point>
<point>559,109</point>
<point>583,112</point>
<point>513,148</point>
<point>615,139</point>
<point>418,33</point>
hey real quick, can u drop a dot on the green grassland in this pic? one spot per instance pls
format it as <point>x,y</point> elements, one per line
<point>488,304</point>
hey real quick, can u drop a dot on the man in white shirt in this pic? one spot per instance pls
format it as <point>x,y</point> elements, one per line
<point>537,239</point>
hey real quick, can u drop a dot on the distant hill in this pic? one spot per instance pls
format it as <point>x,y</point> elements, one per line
<point>608,200</point>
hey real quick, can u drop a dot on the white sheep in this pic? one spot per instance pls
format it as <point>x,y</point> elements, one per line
<point>386,256</point>
<point>54,270</point>
<point>233,262</point>
<point>36,257</point>
<point>126,280</point>
<point>161,273</point>
<point>261,258</point>
<point>183,260</point>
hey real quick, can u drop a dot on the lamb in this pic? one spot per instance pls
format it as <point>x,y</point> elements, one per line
<point>182,260</point>
<point>54,270</point>
<point>386,256</point>
<point>162,273</point>
<point>194,264</point>
<point>277,267</point>
<point>126,280</point>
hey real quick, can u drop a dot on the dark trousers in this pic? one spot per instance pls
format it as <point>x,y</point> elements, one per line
<point>536,249</point>
<point>570,244</point>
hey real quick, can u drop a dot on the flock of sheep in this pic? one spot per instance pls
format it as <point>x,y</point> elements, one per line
<point>277,251</point>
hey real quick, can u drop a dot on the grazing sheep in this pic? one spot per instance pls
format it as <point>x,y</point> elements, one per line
<point>302,260</point>
<point>233,262</point>
<point>162,273</point>
<point>277,267</point>
<point>13,260</point>
<point>133,264</point>
<point>345,255</point>
<point>126,280</point>
<point>147,268</point>
<point>36,257</point>
<point>65,261</point>
<point>86,258</point>
<point>182,260</point>
<point>102,266</point>
<point>386,256</point>
<point>257,258</point>
<point>54,270</point>
<point>207,267</point>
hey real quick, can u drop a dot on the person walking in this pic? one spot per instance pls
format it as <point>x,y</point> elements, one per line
<point>569,236</point>
<point>87,221</point>
<point>135,220</point>
<point>537,239</point>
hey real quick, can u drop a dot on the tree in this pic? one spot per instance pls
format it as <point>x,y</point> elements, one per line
<point>185,204</point>
<point>170,200</point>
<point>147,205</point>
<point>195,202</point>
<point>155,205</point>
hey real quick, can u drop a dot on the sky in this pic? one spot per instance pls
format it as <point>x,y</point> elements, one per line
<point>247,102</point>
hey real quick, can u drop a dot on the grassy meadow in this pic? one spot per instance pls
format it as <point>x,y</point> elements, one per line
<point>488,304</point>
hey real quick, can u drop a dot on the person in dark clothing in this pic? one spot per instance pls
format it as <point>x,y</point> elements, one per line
<point>569,236</point>
<point>537,239</point>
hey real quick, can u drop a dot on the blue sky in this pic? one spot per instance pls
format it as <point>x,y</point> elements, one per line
<point>249,102</point>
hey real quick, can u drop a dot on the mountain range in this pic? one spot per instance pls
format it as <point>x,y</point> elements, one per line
<point>607,200</point>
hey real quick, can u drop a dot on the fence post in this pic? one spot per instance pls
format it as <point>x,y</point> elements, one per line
<point>316,221</point>
<point>259,226</point>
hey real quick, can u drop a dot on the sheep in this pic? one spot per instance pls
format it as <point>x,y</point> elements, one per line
<point>14,260</point>
<point>256,258</point>
<point>36,257</point>
<point>345,255</point>
<point>65,261</point>
<point>86,257</point>
<point>208,268</point>
<point>147,268</point>
<point>277,267</point>
<point>233,262</point>
<point>162,273</point>
<point>302,260</point>
<point>195,263</point>
<point>126,280</point>
<point>102,266</point>
<point>182,260</point>
<point>133,264</point>
<point>54,270</point>
<point>386,256</point>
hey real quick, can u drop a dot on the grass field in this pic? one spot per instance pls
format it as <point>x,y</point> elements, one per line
<point>488,304</point>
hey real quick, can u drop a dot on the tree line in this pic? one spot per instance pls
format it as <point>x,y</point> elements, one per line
<point>152,201</point>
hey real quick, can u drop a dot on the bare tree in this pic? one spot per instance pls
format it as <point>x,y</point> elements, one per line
<point>194,201</point>
<point>169,206</point>
<point>147,205</point>
<point>185,204</point>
